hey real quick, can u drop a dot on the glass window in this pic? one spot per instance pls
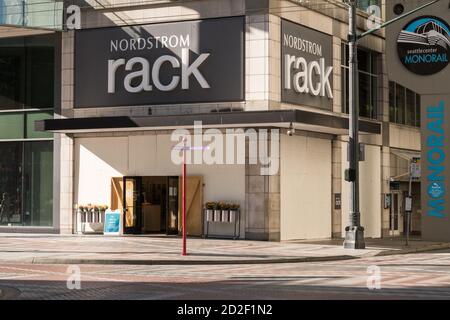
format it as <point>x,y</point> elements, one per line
<point>31,117</point>
<point>26,167</point>
<point>27,72</point>
<point>38,184</point>
<point>368,82</point>
<point>392,109</point>
<point>11,125</point>
<point>410,108</point>
<point>12,75</point>
<point>364,4</point>
<point>373,96</point>
<point>10,182</point>
<point>364,61</point>
<point>365,107</point>
<point>404,105</point>
<point>345,91</point>
<point>400,103</point>
<point>26,183</point>
<point>40,73</point>
<point>32,13</point>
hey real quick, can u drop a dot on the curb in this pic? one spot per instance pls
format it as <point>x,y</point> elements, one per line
<point>433,247</point>
<point>7,293</point>
<point>67,261</point>
<point>187,262</point>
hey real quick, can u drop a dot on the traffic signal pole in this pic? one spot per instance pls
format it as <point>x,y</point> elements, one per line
<point>354,232</point>
<point>354,236</point>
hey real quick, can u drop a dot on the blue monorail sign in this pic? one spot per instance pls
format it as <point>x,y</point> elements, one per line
<point>436,160</point>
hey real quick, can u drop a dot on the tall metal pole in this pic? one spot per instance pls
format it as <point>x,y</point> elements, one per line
<point>409,212</point>
<point>183,201</point>
<point>354,237</point>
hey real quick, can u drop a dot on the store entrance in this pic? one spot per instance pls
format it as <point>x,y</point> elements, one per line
<point>395,213</point>
<point>150,205</point>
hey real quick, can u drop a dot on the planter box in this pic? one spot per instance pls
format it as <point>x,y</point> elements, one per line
<point>209,215</point>
<point>225,216</point>
<point>233,216</point>
<point>217,215</point>
<point>92,227</point>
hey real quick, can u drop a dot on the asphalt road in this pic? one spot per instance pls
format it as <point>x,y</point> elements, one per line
<point>413,276</point>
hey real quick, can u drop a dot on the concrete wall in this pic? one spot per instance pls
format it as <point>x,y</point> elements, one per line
<point>305,181</point>
<point>101,158</point>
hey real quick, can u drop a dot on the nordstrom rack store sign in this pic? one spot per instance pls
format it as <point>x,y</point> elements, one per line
<point>306,66</point>
<point>182,62</point>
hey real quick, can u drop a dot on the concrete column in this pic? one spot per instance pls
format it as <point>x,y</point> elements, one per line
<point>274,73</point>
<point>383,89</point>
<point>262,194</point>
<point>257,62</point>
<point>336,188</point>
<point>385,187</point>
<point>63,144</point>
<point>337,87</point>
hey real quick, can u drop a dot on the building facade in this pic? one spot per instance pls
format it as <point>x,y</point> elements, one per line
<point>271,72</point>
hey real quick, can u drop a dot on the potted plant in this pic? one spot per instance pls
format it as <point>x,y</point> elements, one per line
<point>210,206</point>
<point>225,212</point>
<point>218,211</point>
<point>234,208</point>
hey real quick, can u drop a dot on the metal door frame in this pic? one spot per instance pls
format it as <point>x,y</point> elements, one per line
<point>138,208</point>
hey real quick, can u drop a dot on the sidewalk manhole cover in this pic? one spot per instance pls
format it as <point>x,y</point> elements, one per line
<point>9,293</point>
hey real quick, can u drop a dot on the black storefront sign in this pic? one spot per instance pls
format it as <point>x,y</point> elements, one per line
<point>424,45</point>
<point>306,66</point>
<point>181,62</point>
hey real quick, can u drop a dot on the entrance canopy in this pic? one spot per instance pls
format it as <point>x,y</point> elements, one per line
<point>400,162</point>
<point>300,119</point>
<point>406,154</point>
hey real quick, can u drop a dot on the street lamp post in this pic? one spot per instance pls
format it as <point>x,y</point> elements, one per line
<point>354,236</point>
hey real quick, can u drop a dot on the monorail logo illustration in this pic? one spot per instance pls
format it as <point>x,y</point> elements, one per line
<point>423,45</point>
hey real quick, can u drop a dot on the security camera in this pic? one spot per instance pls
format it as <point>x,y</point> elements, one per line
<point>291,131</point>
<point>399,9</point>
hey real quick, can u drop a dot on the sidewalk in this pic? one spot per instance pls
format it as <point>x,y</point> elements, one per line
<point>162,250</point>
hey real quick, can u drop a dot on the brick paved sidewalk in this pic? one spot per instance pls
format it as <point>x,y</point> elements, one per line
<point>152,250</point>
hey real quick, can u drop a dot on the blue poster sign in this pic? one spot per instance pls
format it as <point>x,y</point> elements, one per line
<point>113,222</point>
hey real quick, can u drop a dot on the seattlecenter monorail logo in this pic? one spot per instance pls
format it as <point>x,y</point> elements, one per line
<point>424,45</point>
<point>180,62</point>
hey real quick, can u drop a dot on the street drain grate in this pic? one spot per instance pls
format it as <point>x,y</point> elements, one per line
<point>7,293</point>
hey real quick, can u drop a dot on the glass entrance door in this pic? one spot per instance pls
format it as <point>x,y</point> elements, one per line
<point>394,214</point>
<point>132,205</point>
<point>172,205</point>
